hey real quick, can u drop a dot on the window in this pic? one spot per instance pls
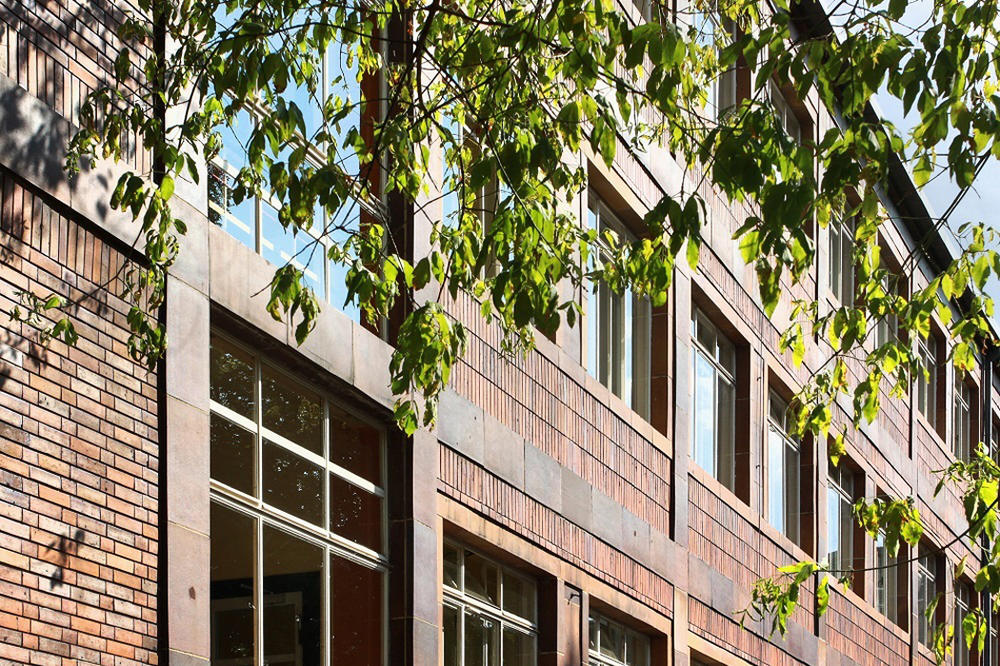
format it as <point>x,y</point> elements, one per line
<point>714,408</point>
<point>963,604</point>
<point>842,260</point>
<point>840,498</point>
<point>994,646</point>
<point>926,386</point>
<point>995,439</point>
<point>894,286</point>
<point>614,644</point>
<point>711,27</point>
<point>618,328</point>
<point>253,220</point>
<point>785,114</point>
<point>297,520</point>
<point>961,436</point>
<point>890,582</point>
<point>783,471</point>
<point>489,612</point>
<point>927,594</point>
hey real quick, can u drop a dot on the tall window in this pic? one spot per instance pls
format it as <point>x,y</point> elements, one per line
<point>889,581</point>
<point>297,520</point>
<point>618,328</point>
<point>614,644</point>
<point>784,466</point>
<point>961,436</point>
<point>840,518</point>
<point>927,590</point>
<point>712,30</point>
<point>253,220</point>
<point>842,260</point>
<point>489,612</point>
<point>926,386</point>
<point>963,604</point>
<point>785,114</point>
<point>714,413</point>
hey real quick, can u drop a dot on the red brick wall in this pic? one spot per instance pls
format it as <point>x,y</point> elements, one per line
<point>78,456</point>
<point>546,406</point>
<point>473,486</point>
<point>861,637</point>
<point>721,629</point>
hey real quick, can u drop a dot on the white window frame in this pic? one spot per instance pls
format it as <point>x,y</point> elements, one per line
<point>926,593</point>
<point>961,439</point>
<point>462,602</point>
<point>839,516</point>
<point>722,91</point>
<point>925,393</point>
<point>786,115</point>
<point>886,580</point>
<point>784,464</point>
<point>632,640</point>
<point>716,464</point>
<point>618,326</point>
<point>963,605</point>
<point>841,270</point>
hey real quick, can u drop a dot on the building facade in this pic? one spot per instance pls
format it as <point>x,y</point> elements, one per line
<point>610,499</point>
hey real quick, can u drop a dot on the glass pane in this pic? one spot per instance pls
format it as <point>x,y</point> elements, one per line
<point>339,233</point>
<point>343,82</point>
<point>612,640</point>
<point>638,649</point>
<point>452,572</point>
<point>449,631</point>
<point>292,411</point>
<point>481,644</point>
<point>355,613</point>
<point>232,454</point>
<point>833,528</point>
<point>481,578</point>
<point>518,648</point>
<point>725,435</point>
<point>281,246</point>
<point>292,484</point>
<point>775,480</point>
<point>355,446</point>
<point>704,413</point>
<point>293,604</point>
<point>792,490</point>
<point>706,335</point>
<point>594,631</point>
<point>231,376</point>
<point>231,573</point>
<point>518,597</point>
<point>355,514</point>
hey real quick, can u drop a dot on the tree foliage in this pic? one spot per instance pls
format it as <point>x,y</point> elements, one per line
<point>508,93</point>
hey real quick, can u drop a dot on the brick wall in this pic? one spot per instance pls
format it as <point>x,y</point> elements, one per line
<point>722,630</point>
<point>470,484</point>
<point>548,407</point>
<point>78,456</point>
<point>862,638</point>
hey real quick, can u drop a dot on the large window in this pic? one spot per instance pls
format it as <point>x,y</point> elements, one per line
<point>253,220</point>
<point>890,582</point>
<point>842,260</point>
<point>928,572</point>
<point>926,385</point>
<point>618,327</point>
<point>840,498</point>
<point>613,644</point>
<point>963,605</point>
<point>714,409</point>
<point>961,436</point>
<point>489,613</point>
<point>297,521</point>
<point>784,465</point>
<point>713,30</point>
<point>785,114</point>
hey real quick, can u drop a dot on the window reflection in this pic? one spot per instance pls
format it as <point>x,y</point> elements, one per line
<point>292,604</point>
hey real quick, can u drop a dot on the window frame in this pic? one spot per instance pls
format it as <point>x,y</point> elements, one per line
<point>719,372</point>
<point>840,260</point>
<point>727,81</point>
<point>926,389</point>
<point>605,331</point>
<point>462,602</point>
<point>843,498</point>
<point>927,592</point>
<point>964,604</point>
<point>790,474</point>
<point>961,425</point>
<point>594,655</point>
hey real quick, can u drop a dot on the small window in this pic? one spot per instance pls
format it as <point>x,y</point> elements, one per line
<point>890,582</point>
<point>840,498</point>
<point>785,114</point>
<point>927,384</point>
<point>614,644</point>
<point>963,606</point>
<point>711,29</point>
<point>784,466</point>
<point>894,286</point>
<point>489,612</point>
<point>618,328</point>
<point>714,409</point>
<point>928,582</point>
<point>842,260</point>
<point>961,440</point>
